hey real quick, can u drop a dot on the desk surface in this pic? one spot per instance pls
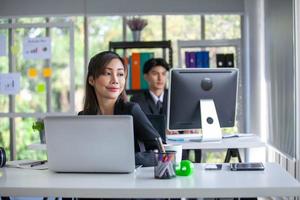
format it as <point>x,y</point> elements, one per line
<point>235,142</point>
<point>274,181</point>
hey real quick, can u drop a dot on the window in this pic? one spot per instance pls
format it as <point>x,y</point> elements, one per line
<point>218,27</point>
<point>152,32</point>
<point>102,30</point>
<point>182,27</point>
<point>31,100</point>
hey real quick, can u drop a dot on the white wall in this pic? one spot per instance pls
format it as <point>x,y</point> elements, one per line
<point>11,8</point>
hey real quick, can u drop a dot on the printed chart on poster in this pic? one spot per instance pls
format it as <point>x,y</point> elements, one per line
<point>10,83</point>
<point>37,48</point>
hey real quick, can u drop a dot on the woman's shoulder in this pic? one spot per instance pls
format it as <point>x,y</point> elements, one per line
<point>131,105</point>
<point>126,107</point>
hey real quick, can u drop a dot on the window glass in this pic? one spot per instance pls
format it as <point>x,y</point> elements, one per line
<point>31,20</point>
<point>4,135</point>
<point>3,21</point>
<point>102,30</point>
<point>4,68</point>
<point>25,136</point>
<point>182,27</point>
<point>60,80</point>
<point>29,100</point>
<point>33,99</point>
<point>222,27</point>
<point>151,32</point>
<point>78,59</point>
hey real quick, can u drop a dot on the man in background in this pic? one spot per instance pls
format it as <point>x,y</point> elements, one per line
<point>154,101</point>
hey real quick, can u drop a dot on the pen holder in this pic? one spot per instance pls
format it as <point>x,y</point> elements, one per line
<point>166,165</point>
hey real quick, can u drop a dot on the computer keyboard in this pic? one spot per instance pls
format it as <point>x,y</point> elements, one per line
<point>198,137</point>
<point>184,137</point>
<point>237,135</point>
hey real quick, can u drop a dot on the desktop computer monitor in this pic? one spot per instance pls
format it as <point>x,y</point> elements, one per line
<point>202,99</point>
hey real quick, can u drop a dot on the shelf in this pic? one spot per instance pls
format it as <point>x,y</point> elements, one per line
<point>147,44</point>
<point>209,43</point>
<point>113,46</point>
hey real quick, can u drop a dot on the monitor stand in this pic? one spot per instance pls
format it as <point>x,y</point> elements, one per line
<point>211,130</point>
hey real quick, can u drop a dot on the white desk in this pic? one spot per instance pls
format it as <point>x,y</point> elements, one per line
<point>274,181</point>
<point>236,143</point>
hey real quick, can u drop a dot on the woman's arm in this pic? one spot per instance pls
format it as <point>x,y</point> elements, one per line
<point>143,129</point>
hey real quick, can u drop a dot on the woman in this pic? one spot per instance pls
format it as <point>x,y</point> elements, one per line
<point>105,95</point>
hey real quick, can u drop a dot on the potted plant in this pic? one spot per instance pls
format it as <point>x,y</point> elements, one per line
<point>136,25</point>
<point>39,126</point>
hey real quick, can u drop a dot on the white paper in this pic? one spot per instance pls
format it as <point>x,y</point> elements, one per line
<point>37,48</point>
<point>27,164</point>
<point>2,45</point>
<point>211,166</point>
<point>10,83</point>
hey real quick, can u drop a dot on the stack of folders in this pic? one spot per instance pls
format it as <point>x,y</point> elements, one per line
<point>197,59</point>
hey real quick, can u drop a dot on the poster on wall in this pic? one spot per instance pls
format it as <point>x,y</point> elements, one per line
<point>2,45</point>
<point>37,48</point>
<point>10,83</point>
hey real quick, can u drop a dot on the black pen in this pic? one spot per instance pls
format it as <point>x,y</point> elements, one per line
<point>38,163</point>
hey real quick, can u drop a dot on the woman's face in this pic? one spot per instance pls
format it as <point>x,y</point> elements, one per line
<point>110,84</point>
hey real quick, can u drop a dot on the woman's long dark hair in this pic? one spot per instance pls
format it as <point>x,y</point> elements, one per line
<point>96,68</point>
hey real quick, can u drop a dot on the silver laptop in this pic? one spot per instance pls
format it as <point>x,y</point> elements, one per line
<point>90,143</point>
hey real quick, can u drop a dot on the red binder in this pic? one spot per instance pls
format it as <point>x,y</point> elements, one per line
<point>136,71</point>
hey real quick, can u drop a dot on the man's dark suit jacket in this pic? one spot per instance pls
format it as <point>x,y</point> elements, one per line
<point>148,105</point>
<point>143,130</point>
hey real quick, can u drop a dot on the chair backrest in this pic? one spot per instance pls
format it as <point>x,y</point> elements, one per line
<point>159,123</point>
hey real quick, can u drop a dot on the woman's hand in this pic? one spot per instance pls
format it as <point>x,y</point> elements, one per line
<point>192,131</point>
<point>168,132</point>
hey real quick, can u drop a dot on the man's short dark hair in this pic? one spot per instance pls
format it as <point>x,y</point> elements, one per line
<point>153,62</point>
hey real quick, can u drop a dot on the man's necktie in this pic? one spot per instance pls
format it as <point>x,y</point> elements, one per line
<point>159,106</point>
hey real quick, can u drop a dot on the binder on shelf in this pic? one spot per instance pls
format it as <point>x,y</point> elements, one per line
<point>225,60</point>
<point>230,60</point>
<point>135,71</point>
<point>144,57</point>
<point>221,60</point>
<point>202,59</point>
<point>187,59</point>
<point>190,59</point>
